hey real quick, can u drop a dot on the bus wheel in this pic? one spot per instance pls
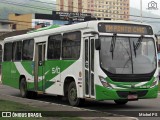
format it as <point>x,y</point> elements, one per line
<point>72,95</point>
<point>120,102</point>
<point>23,88</point>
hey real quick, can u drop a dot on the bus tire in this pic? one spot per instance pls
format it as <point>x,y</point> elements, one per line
<point>23,88</point>
<point>32,94</point>
<point>72,95</point>
<point>120,102</point>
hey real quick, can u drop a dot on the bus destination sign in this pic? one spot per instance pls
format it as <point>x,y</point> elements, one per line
<point>125,28</point>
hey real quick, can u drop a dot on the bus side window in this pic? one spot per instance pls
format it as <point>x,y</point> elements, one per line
<point>0,53</point>
<point>7,52</point>
<point>54,47</point>
<point>28,47</point>
<point>71,45</point>
<point>17,50</point>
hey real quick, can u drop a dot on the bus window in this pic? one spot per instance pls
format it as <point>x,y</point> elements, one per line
<point>0,53</point>
<point>71,45</point>
<point>54,47</point>
<point>17,50</point>
<point>8,52</point>
<point>28,47</point>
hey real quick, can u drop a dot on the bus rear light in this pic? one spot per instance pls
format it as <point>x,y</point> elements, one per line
<point>105,83</point>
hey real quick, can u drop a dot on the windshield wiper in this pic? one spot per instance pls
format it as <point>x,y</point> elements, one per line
<point>113,42</point>
<point>136,46</point>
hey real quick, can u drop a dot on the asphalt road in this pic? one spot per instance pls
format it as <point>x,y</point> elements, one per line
<point>130,109</point>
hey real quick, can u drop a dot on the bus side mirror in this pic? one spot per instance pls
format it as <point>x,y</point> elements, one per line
<point>98,44</point>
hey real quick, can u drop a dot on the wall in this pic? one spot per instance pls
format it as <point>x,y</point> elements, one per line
<point>23,21</point>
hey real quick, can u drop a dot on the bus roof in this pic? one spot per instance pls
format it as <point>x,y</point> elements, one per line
<point>68,28</point>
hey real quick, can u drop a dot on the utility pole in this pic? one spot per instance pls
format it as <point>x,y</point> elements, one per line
<point>141,10</point>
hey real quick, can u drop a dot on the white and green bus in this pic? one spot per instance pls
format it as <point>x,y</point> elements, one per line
<point>98,60</point>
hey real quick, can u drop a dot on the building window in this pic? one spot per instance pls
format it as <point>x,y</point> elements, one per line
<point>71,45</point>
<point>54,47</point>
<point>14,26</point>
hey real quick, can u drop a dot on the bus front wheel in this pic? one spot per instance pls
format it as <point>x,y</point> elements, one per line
<point>120,102</point>
<point>72,95</point>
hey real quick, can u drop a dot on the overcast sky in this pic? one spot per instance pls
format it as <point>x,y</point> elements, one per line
<point>136,4</point>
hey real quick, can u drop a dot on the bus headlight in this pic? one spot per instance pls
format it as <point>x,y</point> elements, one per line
<point>105,83</point>
<point>155,82</point>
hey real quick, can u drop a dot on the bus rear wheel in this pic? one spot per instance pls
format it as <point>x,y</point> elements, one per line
<point>72,95</point>
<point>23,88</point>
<point>24,92</point>
<point>120,102</point>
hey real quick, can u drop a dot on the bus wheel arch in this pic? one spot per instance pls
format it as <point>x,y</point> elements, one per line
<point>23,86</point>
<point>70,91</point>
<point>20,78</point>
<point>67,82</point>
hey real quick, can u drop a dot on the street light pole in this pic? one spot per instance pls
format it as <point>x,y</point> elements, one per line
<point>141,10</point>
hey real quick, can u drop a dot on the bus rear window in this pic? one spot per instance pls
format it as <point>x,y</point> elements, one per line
<point>7,52</point>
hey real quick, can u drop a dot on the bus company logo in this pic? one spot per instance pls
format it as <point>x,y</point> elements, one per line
<point>152,5</point>
<point>55,70</point>
<point>6,114</point>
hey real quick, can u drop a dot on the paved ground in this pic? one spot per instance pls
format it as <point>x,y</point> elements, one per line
<point>7,93</point>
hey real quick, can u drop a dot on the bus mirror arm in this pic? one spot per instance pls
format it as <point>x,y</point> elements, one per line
<point>98,44</point>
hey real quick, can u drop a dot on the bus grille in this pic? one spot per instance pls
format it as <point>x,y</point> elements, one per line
<point>130,79</point>
<point>124,94</point>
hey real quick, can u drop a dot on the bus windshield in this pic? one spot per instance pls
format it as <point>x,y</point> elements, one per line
<point>123,59</point>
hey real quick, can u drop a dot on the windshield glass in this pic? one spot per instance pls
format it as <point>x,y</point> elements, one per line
<point>125,59</point>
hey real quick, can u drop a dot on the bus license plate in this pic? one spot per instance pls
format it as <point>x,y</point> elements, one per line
<point>130,97</point>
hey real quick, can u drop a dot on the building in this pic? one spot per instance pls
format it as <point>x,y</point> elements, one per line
<point>4,29</point>
<point>5,26</point>
<point>70,5</point>
<point>114,9</point>
<point>28,21</point>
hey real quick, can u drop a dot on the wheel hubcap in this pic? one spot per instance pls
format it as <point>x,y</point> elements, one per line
<point>23,89</point>
<point>73,94</point>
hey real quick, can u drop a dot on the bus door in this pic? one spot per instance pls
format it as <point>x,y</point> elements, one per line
<point>39,79</point>
<point>89,67</point>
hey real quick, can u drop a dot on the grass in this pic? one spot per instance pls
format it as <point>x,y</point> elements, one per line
<point>159,86</point>
<point>14,106</point>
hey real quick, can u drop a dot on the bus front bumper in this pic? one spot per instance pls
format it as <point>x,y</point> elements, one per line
<point>103,93</point>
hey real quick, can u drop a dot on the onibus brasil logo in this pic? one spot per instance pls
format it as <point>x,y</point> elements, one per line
<point>21,115</point>
<point>152,5</point>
